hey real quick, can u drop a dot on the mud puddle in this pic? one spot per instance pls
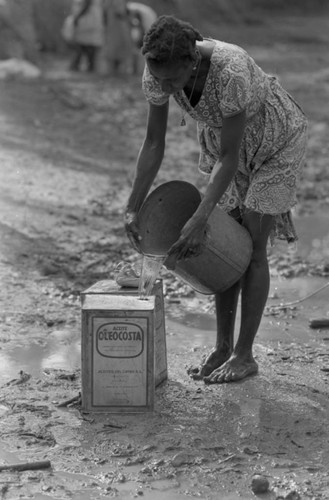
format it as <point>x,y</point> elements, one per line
<point>60,350</point>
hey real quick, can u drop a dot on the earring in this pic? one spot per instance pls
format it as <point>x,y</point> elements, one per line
<point>197,55</point>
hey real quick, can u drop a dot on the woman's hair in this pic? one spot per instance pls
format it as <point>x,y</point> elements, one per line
<point>170,40</point>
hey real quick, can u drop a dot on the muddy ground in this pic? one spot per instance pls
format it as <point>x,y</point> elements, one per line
<point>68,149</point>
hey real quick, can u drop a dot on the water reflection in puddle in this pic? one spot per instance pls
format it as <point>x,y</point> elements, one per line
<point>60,350</point>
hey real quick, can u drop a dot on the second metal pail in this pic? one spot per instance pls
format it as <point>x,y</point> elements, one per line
<point>226,251</point>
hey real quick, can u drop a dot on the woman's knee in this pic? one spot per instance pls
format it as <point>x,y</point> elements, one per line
<point>259,227</point>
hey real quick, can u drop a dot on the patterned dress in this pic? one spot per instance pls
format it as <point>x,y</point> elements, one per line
<point>273,147</point>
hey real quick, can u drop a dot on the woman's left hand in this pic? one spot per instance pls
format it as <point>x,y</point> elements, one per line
<point>189,243</point>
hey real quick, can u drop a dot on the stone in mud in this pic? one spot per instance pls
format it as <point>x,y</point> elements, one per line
<point>259,484</point>
<point>292,495</point>
<point>181,459</point>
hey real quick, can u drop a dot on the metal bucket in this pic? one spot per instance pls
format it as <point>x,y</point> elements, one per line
<point>226,251</point>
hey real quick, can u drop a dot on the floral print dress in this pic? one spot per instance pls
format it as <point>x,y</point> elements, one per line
<point>273,147</point>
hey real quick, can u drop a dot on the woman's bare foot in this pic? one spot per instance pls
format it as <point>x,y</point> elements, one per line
<point>235,368</point>
<point>214,360</point>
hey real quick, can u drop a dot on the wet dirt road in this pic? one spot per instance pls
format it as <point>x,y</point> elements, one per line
<point>67,155</point>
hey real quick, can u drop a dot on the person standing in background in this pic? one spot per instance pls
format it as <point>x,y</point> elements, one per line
<point>118,47</point>
<point>141,19</point>
<point>88,32</point>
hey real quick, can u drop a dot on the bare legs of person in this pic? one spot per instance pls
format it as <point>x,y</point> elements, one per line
<point>225,363</point>
<point>81,52</point>
<point>226,305</point>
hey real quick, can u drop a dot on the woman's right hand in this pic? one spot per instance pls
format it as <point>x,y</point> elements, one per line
<point>132,229</point>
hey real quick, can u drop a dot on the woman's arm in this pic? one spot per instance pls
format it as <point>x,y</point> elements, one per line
<point>150,156</point>
<point>193,232</point>
<point>148,164</point>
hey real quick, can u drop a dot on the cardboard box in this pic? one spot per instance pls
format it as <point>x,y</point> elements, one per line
<point>123,348</point>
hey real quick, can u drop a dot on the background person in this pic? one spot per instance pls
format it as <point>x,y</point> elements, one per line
<point>141,19</point>
<point>88,33</point>
<point>252,138</point>
<point>118,45</point>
